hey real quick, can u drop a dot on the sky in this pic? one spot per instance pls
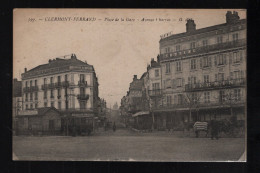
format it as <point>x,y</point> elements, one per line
<point>117,49</point>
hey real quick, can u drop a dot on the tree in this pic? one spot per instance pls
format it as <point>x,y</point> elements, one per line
<point>192,99</point>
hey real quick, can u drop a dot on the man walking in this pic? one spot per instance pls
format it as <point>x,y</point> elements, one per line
<point>114,127</point>
<point>214,129</point>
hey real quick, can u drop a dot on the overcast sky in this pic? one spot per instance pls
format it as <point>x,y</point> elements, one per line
<point>116,49</point>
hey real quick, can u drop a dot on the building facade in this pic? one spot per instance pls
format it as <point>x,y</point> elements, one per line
<point>204,70</point>
<point>67,84</point>
<point>62,83</point>
<point>200,74</point>
<point>17,97</point>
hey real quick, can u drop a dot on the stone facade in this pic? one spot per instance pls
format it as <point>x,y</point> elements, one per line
<point>199,75</point>
<point>62,83</point>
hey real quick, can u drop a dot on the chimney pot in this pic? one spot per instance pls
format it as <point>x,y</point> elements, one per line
<point>232,17</point>
<point>25,69</point>
<point>135,77</point>
<point>190,25</point>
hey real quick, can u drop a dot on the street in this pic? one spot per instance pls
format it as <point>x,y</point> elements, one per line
<point>127,145</point>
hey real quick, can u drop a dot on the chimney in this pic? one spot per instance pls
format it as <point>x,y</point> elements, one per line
<point>232,18</point>
<point>135,77</point>
<point>25,70</point>
<point>190,25</point>
<point>158,58</point>
<point>73,56</point>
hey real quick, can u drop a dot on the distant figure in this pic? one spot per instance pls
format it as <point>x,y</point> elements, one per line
<point>114,127</point>
<point>200,126</point>
<point>214,129</point>
<point>74,131</point>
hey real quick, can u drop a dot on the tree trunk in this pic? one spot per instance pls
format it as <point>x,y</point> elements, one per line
<point>153,121</point>
<point>190,116</point>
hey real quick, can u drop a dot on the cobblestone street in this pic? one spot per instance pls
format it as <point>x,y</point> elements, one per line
<point>126,145</point>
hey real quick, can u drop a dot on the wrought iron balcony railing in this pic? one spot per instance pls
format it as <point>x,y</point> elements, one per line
<point>83,96</point>
<point>44,87</point>
<point>65,84</point>
<point>83,83</point>
<point>204,49</point>
<point>30,89</point>
<point>154,93</point>
<point>51,86</point>
<point>216,85</point>
<point>58,85</point>
<point>26,89</point>
<point>201,105</point>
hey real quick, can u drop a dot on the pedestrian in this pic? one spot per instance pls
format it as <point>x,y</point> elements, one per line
<point>114,127</point>
<point>214,129</point>
<point>74,131</point>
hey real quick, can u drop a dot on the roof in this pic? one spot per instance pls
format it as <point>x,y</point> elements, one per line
<point>136,84</point>
<point>59,62</point>
<point>36,112</point>
<point>141,113</point>
<point>42,111</point>
<point>202,30</point>
<point>143,75</point>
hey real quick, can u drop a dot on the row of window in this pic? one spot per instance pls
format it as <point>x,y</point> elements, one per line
<point>205,43</point>
<point>179,82</point>
<point>204,62</point>
<point>52,104</point>
<point>82,91</point>
<point>34,83</point>
<point>224,97</point>
<point>31,96</point>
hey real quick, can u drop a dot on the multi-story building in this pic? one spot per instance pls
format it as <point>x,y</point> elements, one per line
<point>17,100</point>
<point>62,83</point>
<point>68,84</point>
<point>203,72</point>
<point>17,96</point>
<point>200,74</point>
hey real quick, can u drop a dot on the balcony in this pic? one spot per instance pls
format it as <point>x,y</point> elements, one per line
<point>51,86</point>
<point>34,88</point>
<point>26,89</point>
<point>65,84</point>
<point>58,85</point>
<point>216,85</point>
<point>155,93</point>
<point>204,49</point>
<point>83,96</point>
<point>30,89</point>
<point>44,87</point>
<point>201,105</point>
<point>82,83</point>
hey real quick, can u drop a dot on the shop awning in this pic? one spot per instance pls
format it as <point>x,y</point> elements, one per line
<point>141,113</point>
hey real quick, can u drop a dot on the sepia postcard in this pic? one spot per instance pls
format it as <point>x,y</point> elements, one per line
<point>157,85</point>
